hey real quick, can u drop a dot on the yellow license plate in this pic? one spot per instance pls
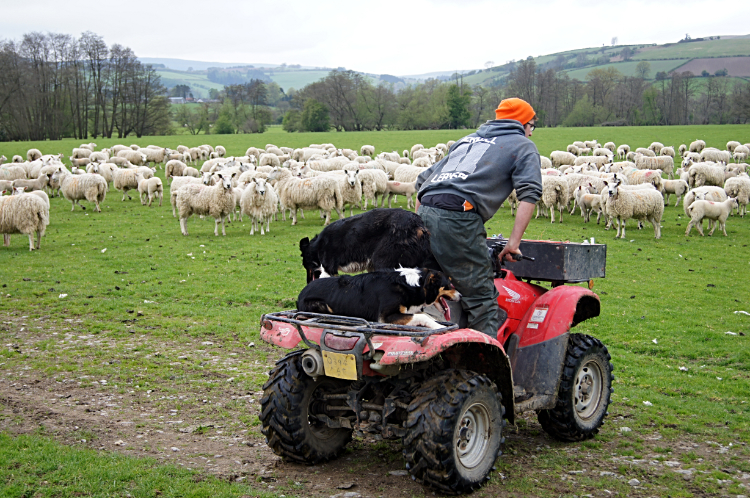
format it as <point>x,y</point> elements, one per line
<point>339,365</point>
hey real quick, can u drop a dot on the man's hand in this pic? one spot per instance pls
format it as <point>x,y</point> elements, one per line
<point>523,216</point>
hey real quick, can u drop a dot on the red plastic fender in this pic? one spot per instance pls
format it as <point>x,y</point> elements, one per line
<point>555,312</point>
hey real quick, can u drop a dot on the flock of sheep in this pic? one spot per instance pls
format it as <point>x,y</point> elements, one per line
<point>635,187</point>
<point>278,180</point>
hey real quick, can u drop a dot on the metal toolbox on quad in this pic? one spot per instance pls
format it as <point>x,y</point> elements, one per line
<point>560,262</point>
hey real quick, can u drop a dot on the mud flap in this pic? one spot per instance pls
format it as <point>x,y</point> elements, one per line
<point>536,373</point>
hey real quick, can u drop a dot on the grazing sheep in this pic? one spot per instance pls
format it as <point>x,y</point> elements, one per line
<point>645,152</point>
<point>574,150</point>
<point>100,156</point>
<point>602,151</point>
<point>221,150</point>
<point>149,187</point>
<point>681,150</point>
<point>174,168</point>
<point>134,157</point>
<point>407,173</point>
<point>742,149</point>
<point>125,180</point>
<point>154,154</point>
<point>714,211</point>
<point>708,193</point>
<point>80,153</point>
<point>656,147</point>
<point>374,184</point>
<point>74,188</point>
<point>415,148</point>
<point>30,185</point>
<point>106,170</point>
<point>667,151</point>
<point>119,161</point>
<point>701,174</point>
<point>676,187</point>
<point>739,188</point>
<point>545,162</point>
<point>394,188</point>
<point>367,150</point>
<point>610,146</point>
<point>390,156</point>
<point>178,182</point>
<point>321,192</point>
<point>697,146</point>
<point>731,145</point>
<point>33,154</point>
<point>17,159</point>
<point>77,171</point>
<point>559,158</point>
<point>555,195</point>
<point>24,213</point>
<point>664,163</point>
<point>590,143</point>
<point>216,201</point>
<point>715,155</point>
<point>260,202</point>
<point>645,204</point>
<point>597,161</point>
<point>638,176</point>
<point>3,159</point>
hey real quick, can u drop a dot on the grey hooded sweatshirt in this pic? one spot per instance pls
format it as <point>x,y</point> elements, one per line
<point>486,166</point>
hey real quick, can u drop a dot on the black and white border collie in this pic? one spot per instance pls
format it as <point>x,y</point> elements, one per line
<point>387,296</point>
<point>375,240</point>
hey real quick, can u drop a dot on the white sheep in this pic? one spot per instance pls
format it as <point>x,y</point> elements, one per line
<point>33,154</point>
<point>260,202</point>
<point>174,167</point>
<point>415,148</point>
<point>655,147</point>
<point>390,156</point>
<point>638,176</point>
<point>555,195</point>
<point>708,193</point>
<point>125,180</point>
<point>321,192</point>
<point>597,161</point>
<point>74,188</point>
<point>718,212</point>
<point>134,157</point>
<point>559,157</point>
<point>588,201</point>
<point>645,204</point>
<point>697,146</point>
<point>374,184</point>
<point>39,193</point>
<point>154,154</point>
<point>645,152</point>
<point>573,149</point>
<point>178,182</point>
<point>603,151</point>
<point>611,146</point>
<point>739,188</point>
<point>664,163</point>
<point>367,150</point>
<point>701,174</point>
<point>682,149</point>
<point>715,155</point>
<point>545,162</point>
<point>350,188</point>
<point>151,188</point>
<point>17,159</point>
<point>731,145</point>
<point>394,188</point>
<point>407,173</point>
<point>622,150</point>
<point>676,187</point>
<point>10,172</point>
<point>26,214</point>
<point>79,153</point>
<point>216,201</point>
<point>38,184</point>
<point>667,151</point>
<point>106,170</point>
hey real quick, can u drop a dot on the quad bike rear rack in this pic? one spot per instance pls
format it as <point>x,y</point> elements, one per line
<point>350,326</point>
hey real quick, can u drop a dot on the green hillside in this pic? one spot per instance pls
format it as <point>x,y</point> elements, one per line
<point>708,48</point>
<point>628,68</point>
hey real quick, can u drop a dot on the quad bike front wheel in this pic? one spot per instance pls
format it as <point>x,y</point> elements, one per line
<point>454,425</point>
<point>584,393</point>
<point>291,400</point>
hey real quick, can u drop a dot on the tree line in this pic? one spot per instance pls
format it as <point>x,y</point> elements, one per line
<point>54,86</point>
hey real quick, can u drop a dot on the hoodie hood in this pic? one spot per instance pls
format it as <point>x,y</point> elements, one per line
<point>500,127</point>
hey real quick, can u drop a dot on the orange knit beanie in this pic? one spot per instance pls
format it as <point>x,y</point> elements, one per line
<point>516,109</point>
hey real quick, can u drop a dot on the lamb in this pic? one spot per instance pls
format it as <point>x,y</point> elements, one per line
<point>682,149</point>
<point>135,157</point>
<point>709,193</point>
<point>390,156</point>
<point>3,159</point>
<point>221,150</point>
<point>667,151</point>
<point>407,173</point>
<point>16,159</point>
<point>715,155</point>
<point>415,148</point>
<point>545,162</point>
<point>739,188</point>
<point>374,184</point>
<point>656,147</point>
<point>30,185</point>
<point>559,157</point>
<point>602,151</point>
<point>367,150</point>
<point>555,195</point>
<point>25,213</point>
<point>701,174</point>
<point>587,202</point>
<point>216,201</point>
<point>573,149</point>
<point>645,204</point>
<point>33,154</point>
<point>80,153</point>
<point>622,151</point>
<point>100,156</point>
<point>664,163</point>
<point>322,192</point>
<point>106,170</point>
<point>149,187</point>
<point>697,146</point>
<point>154,154</point>
<point>119,161</point>
<point>590,143</point>
<point>742,149</point>
<point>77,171</point>
<point>12,173</point>
<point>260,202</point>
<point>394,188</point>
<point>74,188</point>
<point>178,182</point>
<point>676,187</point>
<point>715,211</point>
<point>125,179</point>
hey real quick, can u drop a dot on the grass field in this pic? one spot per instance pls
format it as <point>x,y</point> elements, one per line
<point>628,68</point>
<point>128,350</point>
<point>708,48</point>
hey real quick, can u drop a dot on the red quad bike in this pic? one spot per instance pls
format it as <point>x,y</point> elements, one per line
<point>447,392</point>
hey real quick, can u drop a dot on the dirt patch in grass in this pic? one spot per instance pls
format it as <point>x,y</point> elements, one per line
<point>216,431</point>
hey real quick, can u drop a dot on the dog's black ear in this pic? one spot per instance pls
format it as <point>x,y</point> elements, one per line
<point>304,243</point>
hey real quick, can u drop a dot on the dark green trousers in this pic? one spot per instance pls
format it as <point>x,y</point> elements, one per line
<point>458,243</point>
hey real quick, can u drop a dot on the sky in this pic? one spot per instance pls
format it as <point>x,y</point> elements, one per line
<point>399,37</point>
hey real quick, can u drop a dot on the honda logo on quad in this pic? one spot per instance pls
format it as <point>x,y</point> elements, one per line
<point>515,297</point>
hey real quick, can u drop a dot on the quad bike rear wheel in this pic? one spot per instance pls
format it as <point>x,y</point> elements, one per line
<point>291,399</point>
<point>584,393</point>
<point>454,424</point>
